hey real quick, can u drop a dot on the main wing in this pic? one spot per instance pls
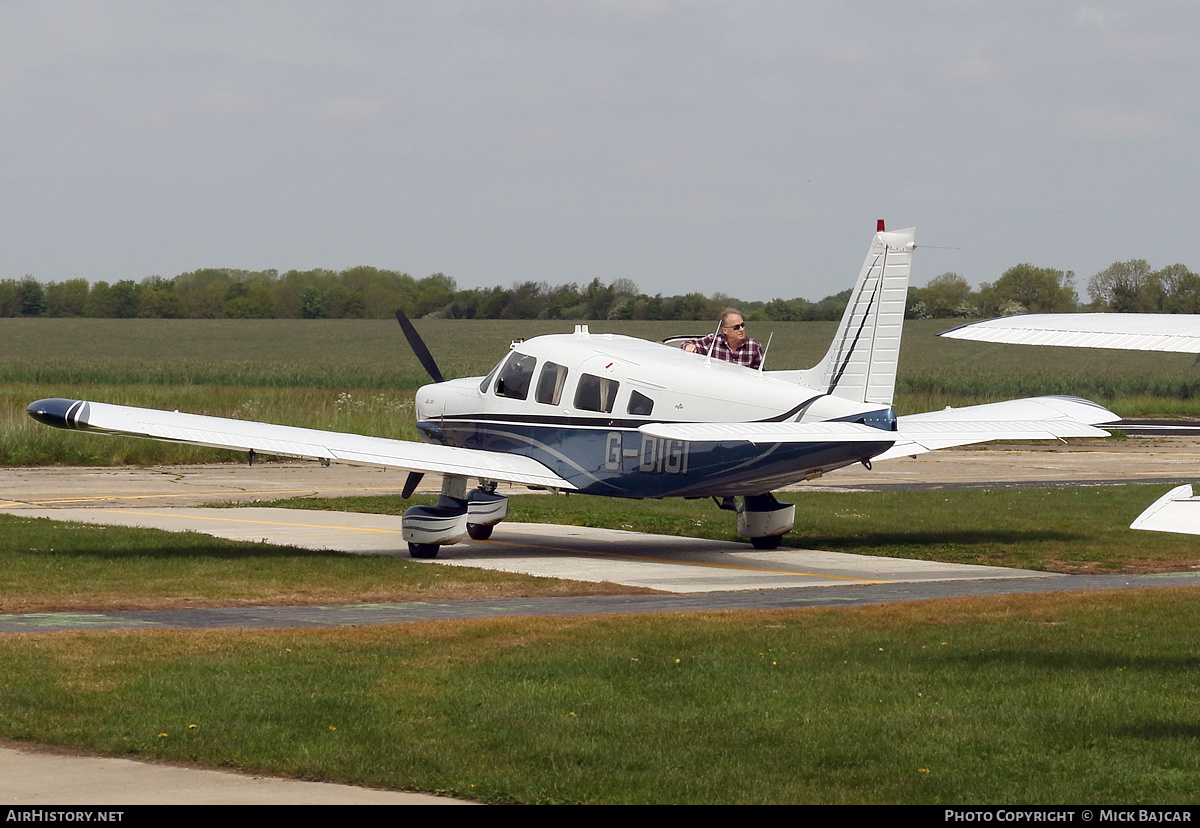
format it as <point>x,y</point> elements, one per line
<point>1179,332</point>
<point>1035,418</point>
<point>289,441</point>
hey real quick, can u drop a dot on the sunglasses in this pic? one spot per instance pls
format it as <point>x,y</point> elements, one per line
<point>737,327</point>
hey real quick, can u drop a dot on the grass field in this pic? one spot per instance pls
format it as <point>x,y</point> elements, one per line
<point>354,375</point>
<point>1080,699</point>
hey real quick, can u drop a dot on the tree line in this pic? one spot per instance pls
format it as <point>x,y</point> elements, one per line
<point>372,293</point>
<point>1122,287</point>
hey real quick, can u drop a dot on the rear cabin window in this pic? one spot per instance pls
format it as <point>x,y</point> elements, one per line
<point>640,405</point>
<point>515,377</point>
<point>550,384</point>
<point>596,393</point>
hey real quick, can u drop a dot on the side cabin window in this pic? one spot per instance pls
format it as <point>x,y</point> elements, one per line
<point>640,405</point>
<point>515,377</point>
<point>550,384</point>
<point>596,393</point>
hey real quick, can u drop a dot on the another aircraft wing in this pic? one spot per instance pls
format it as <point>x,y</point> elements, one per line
<point>289,441</point>
<point>1176,511</point>
<point>1178,332</point>
<point>1035,418</point>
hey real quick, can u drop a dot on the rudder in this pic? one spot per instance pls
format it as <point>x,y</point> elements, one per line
<point>861,362</point>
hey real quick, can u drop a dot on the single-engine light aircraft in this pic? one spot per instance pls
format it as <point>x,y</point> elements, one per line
<point>1179,509</point>
<point>601,414</point>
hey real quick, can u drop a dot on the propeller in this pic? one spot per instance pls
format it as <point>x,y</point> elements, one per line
<point>418,345</point>
<point>410,484</point>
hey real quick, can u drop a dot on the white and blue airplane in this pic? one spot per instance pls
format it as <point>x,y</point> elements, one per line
<point>609,415</point>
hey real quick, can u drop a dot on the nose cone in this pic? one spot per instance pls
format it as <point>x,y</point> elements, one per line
<point>60,413</point>
<point>429,402</point>
<point>449,398</point>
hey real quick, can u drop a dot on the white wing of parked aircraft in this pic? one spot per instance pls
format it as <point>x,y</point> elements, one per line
<point>1177,510</point>
<point>1178,332</point>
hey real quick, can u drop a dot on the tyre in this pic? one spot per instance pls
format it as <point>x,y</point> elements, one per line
<point>767,542</point>
<point>478,531</point>
<point>423,550</point>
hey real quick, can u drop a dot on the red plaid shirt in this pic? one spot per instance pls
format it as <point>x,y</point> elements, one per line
<point>749,354</point>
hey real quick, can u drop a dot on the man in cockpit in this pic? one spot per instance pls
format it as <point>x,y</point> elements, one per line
<point>731,344</point>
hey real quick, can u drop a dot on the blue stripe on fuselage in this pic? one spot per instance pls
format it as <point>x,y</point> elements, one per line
<point>626,463</point>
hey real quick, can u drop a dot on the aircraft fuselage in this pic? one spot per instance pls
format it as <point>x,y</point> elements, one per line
<point>574,403</point>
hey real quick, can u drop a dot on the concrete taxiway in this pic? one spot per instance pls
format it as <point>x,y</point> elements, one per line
<point>667,563</point>
<point>40,777</point>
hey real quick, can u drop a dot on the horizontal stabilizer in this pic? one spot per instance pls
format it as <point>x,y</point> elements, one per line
<point>1176,511</point>
<point>289,441</point>
<point>1036,418</point>
<point>1177,332</point>
<point>1032,418</point>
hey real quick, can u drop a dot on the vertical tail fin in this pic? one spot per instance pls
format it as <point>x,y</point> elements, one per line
<point>861,363</point>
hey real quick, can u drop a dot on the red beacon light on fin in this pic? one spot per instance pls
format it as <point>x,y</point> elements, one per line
<point>879,225</point>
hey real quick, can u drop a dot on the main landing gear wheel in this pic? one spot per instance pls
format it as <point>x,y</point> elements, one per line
<point>767,542</point>
<point>478,531</point>
<point>423,550</point>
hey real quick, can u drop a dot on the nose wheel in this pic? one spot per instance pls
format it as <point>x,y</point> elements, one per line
<point>767,542</point>
<point>479,531</point>
<point>764,520</point>
<point>423,550</point>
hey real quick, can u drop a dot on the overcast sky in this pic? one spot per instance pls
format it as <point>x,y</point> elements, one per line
<point>746,147</point>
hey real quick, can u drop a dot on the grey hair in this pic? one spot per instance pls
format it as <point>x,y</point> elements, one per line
<point>725,315</point>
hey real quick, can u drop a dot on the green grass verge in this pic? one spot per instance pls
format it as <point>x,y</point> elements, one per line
<point>1082,699</point>
<point>1079,529</point>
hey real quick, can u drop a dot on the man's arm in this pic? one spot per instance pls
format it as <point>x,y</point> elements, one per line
<point>756,354</point>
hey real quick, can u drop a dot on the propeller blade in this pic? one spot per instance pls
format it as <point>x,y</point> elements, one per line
<point>410,484</point>
<point>418,345</point>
